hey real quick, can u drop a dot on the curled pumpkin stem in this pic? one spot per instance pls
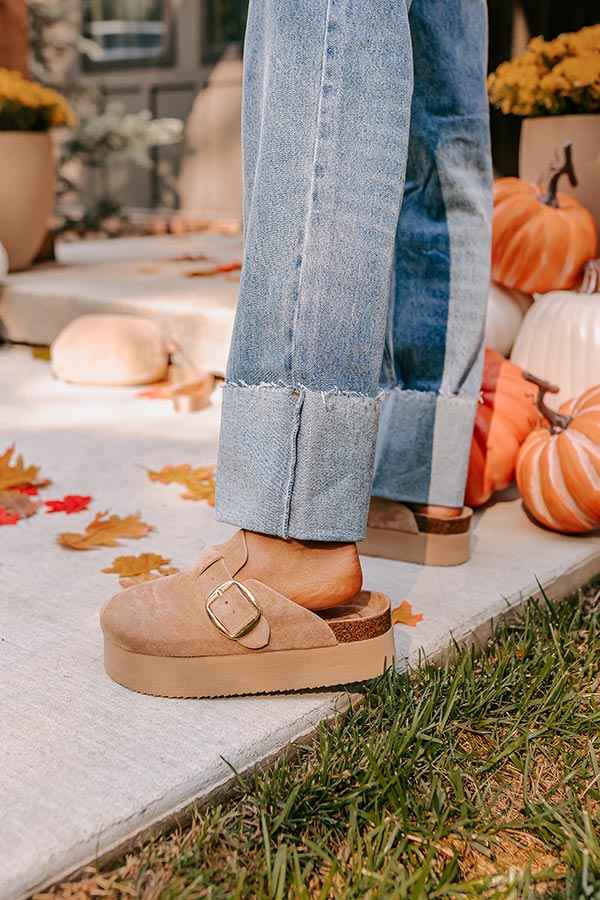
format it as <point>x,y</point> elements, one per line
<point>549,198</point>
<point>558,421</point>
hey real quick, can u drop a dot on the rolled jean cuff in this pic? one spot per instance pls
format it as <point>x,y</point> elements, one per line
<point>424,446</point>
<point>296,463</point>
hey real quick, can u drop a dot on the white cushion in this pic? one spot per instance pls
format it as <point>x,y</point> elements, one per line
<point>110,350</point>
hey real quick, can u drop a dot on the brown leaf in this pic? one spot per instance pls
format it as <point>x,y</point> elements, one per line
<point>104,532</point>
<point>404,615</point>
<point>200,482</point>
<point>136,565</point>
<point>17,474</point>
<point>16,503</point>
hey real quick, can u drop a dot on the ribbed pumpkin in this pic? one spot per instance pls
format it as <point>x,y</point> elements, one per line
<point>505,416</point>
<point>541,240</point>
<point>558,466</point>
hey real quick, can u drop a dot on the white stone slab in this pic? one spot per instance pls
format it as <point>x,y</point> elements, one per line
<point>138,276</point>
<point>86,765</point>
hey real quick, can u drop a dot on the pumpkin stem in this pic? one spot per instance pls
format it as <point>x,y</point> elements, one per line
<point>591,277</point>
<point>558,421</point>
<point>549,198</point>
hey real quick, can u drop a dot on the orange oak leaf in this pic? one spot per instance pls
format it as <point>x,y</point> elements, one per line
<point>213,270</point>
<point>16,503</point>
<point>14,475</point>
<point>137,569</point>
<point>72,503</point>
<point>404,615</point>
<point>104,531</point>
<point>200,482</point>
<point>7,518</point>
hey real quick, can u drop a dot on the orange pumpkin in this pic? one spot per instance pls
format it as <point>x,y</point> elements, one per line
<point>558,467</point>
<point>505,416</point>
<point>540,240</point>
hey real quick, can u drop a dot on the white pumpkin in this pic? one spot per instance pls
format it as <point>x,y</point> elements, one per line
<point>559,341</point>
<point>505,311</point>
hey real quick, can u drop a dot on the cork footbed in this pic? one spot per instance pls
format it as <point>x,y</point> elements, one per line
<point>395,532</point>
<point>365,649</point>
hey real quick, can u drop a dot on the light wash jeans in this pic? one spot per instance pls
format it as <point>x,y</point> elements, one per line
<point>356,356</point>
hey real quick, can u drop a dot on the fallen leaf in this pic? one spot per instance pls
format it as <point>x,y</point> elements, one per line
<point>162,390</point>
<point>200,482</point>
<point>26,489</point>
<point>41,352</point>
<point>104,532</point>
<point>17,474</point>
<point>16,503</point>
<point>137,569</point>
<point>404,615</point>
<point>213,270</point>
<point>72,503</point>
<point>136,565</point>
<point>8,518</point>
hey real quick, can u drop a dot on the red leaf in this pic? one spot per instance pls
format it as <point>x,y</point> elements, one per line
<point>8,518</point>
<point>26,489</point>
<point>72,503</point>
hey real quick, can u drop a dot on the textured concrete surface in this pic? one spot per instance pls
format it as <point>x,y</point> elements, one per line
<point>138,276</point>
<point>84,764</point>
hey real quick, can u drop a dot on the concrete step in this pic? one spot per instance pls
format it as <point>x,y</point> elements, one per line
<point>86,765</point>
<point>146,276</point>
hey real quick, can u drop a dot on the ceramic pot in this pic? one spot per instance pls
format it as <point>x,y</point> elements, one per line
<point>27,186</point>
<point>542,139</point>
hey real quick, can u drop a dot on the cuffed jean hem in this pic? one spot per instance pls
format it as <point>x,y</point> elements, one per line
<point>296,463</point>
<point>424,445</point>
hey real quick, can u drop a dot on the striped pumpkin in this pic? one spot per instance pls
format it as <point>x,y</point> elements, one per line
<point>558,466</point>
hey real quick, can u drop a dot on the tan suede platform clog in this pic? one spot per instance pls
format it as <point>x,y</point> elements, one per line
<point>394,531</point>
<point>201,633</point>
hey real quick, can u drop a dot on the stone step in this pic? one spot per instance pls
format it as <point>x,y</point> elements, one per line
<point>146,276</point>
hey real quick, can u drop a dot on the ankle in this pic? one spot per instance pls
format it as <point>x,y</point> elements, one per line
<point>313,574</point>
<point>441,512</point>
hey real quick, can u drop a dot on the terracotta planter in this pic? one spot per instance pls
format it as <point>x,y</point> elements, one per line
<point>543,136</point>
<point>27,185</point>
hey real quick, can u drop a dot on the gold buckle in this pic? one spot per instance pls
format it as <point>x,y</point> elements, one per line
<point>245,629</point>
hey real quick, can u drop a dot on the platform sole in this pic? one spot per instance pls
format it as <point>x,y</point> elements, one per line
<point>423,548</point>
<point>266,672</point>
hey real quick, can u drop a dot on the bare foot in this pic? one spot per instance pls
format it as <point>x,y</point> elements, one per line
<point>313,574</point>
<point>442,512</point>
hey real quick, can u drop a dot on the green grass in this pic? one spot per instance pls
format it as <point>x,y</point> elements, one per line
<point>479,778</point>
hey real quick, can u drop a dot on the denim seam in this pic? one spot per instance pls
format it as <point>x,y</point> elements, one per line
<point>313,177</point>
<point>287,507</point>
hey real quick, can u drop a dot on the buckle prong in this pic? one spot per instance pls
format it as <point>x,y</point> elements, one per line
<point>244,629</point>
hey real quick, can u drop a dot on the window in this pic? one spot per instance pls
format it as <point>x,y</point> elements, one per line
<point>129,32</point>
<point>225,23</point>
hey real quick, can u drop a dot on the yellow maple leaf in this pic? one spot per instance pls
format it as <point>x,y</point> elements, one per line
<point>137,569</point>
<point>199,483</point>
<point>17,474</point>
<point>404,615</point>
<point>105,532</point>
<point>136,565</point>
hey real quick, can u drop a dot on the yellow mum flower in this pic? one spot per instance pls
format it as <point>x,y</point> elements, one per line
<point>28,106</point>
